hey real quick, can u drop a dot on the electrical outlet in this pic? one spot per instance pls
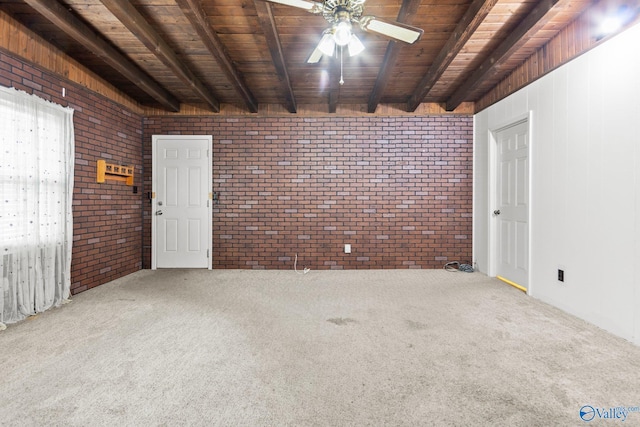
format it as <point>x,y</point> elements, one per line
<point>560,275</point>
<point>347,248</point>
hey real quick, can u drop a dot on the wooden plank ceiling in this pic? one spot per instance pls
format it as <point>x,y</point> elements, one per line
<point>247,53</point>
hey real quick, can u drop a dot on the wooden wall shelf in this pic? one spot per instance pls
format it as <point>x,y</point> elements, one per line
<point>114,172</point>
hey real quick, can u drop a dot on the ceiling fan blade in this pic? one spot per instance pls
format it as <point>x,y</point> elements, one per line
<point>308,5</point>
<point>315,56</point>
<point>395,30</point>
<point>326,46</point>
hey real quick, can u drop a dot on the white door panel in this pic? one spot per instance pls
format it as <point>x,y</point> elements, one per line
<point>181,231</point>
<point>511,212</point>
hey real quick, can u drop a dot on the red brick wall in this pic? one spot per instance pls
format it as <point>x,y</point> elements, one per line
<point>107,217</point>
<point>398,189</point>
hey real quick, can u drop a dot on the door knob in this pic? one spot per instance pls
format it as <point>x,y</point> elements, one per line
<point>496,212</point>
<point>159,213</point>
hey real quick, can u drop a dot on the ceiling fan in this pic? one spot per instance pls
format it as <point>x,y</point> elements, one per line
<point>341,14</point>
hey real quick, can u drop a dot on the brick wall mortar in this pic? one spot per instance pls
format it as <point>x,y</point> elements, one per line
<point>398,189</point>
<point>107,217</point>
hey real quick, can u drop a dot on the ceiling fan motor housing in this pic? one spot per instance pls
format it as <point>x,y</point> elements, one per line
<point>336,11</point>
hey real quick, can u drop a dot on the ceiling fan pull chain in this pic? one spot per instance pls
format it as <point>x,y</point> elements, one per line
<point>341,79</point>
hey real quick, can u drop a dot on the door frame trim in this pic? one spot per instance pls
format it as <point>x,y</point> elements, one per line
<point>154,206</point>
<point>493,197</point>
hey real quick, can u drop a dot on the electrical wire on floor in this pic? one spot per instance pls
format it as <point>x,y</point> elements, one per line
<point>456,266</point>
<point>295,267</point>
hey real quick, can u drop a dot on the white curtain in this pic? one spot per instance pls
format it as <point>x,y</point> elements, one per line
<point>36,186</point>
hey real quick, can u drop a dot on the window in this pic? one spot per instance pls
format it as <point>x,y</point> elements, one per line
<point>36,184</point>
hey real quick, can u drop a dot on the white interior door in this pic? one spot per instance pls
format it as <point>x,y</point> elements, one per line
<point>512,203</point>
<point>181,205</point>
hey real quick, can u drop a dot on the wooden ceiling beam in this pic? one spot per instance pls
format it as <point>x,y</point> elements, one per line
<point>409,8</point>
<point>67,22</point>
<point>192,9</point>
<point>139,27</point>
<point>471,20</point>
<point>531,24</point>
<point>268,23</point>
<point>335,76</point>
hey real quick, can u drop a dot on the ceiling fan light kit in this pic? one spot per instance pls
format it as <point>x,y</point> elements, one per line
<point>341,14</point>
<point>327,44</point>
<point>355,45</point>
<point>342,33</point>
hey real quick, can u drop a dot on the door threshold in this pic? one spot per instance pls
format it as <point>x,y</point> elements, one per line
<point>514,284</point>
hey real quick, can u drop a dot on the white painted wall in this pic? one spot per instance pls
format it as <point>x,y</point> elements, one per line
<point>585,184</point>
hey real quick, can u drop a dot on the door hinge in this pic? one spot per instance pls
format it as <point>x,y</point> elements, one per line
<point>207,253</point>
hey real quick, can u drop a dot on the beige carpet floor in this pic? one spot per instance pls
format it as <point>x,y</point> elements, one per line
<point>329,348</point>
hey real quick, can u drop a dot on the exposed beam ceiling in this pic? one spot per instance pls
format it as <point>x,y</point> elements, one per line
<point>234,56</point>
<point>335,74</point>
<point>269,28</point>
<point>83,34</point>
<point>193,11</point>
<point>408,9</point>
<point>536,19</point>
<point>473,17</point>
<point>138,25</point>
